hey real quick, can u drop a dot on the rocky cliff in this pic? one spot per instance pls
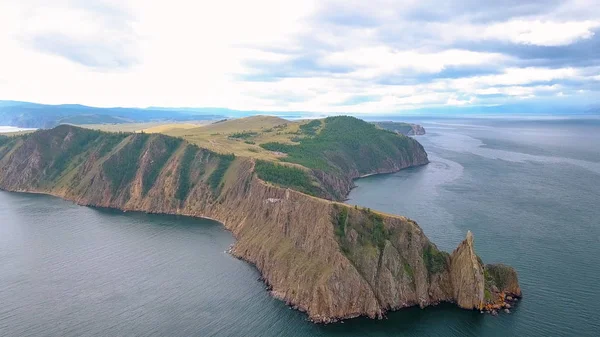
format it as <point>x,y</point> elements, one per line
<point>328,259</point>
<point>417,130</point>
<point>407,129</point>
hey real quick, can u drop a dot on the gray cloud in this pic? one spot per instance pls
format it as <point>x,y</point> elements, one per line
<point>437,26</point>
<point>110,45</point>
<point>582,53</point>
<point>97,54</point>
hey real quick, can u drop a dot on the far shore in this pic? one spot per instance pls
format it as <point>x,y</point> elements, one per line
<point>11,129</point>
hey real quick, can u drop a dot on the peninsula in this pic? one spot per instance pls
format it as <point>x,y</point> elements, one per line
<point>278,186</point>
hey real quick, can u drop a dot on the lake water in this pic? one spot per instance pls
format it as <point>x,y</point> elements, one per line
<point>528,190</point>
<point>9,129</point>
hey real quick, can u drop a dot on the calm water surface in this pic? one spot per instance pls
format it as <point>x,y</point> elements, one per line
<point>529,191</point>
<point>8,129</point>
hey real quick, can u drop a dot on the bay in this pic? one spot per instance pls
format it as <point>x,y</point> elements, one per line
<point>527,189</point>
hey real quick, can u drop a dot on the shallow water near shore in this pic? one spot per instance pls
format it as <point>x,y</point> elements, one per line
<point>527,190</point>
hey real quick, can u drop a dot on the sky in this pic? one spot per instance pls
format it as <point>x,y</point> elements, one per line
<point>352,56</point>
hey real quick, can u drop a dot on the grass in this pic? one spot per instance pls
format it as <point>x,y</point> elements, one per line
<point>487,295</point>
<point>215,180</point>
<point>217,136</point>
<point>148,127</point>
<point>341,221</point>
<point>372,234</point>
<point>4,140</point>
<point>166,148</point>
<point>78,144</point>
<point>256,130</point>
<point>243,135</point>
<point>498,274</point>
<point>435,260</point>
<point>339,144</point>
<point>5,146</point>
<point>333,145</point>
<point>121,167</point>
<point>286,176</point>
<point>183,187</point>
<point>311,127</point>
<point>162,128</point>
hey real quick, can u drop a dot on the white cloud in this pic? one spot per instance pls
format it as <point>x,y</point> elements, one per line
<point>526,31</point>
<point>455,101</point>
<point>511,76</point>
<point>381,60</point>
<point>195,53</point>
<point>518,90</point>
<point>541,33</point>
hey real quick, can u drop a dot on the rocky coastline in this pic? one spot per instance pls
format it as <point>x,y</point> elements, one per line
<point>328,259</point>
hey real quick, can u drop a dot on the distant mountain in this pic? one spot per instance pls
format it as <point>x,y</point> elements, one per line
<point>33,115</point>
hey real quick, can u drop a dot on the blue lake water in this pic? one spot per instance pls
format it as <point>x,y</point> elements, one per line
<point>9,129</point>
<point>529,190</point>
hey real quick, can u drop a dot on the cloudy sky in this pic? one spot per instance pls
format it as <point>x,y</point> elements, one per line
<point>324,56</point>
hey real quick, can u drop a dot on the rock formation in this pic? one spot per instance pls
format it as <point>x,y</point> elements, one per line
<point>407,129</point>
<point>467,277</point>
<point>328,259</point>
<point>417,130</point>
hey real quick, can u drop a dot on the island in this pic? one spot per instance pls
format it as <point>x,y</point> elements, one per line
<point>279,187</point>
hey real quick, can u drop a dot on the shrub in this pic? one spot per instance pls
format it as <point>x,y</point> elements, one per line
<point>341,220</point>
<point>243,135</point>
<point>435,260</point>
<point>216,177</point>
<point>121,167</point>
<point>183,188</point>
<point>311,127</point>
<point>169,145</point>
<point>341,142</point>
<point>286,176</point>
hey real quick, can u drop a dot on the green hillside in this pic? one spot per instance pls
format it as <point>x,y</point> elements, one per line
<point>317,157</point>
<point>343,144</point>
<point>339,149</point>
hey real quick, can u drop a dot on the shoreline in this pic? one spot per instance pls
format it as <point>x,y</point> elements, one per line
<point>268,287</point>
<point>377,174</point>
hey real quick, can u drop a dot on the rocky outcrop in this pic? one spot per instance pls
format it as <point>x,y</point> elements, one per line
<point>407,129</point>
<point>417,130</point>
<point>328,259</point>
<point>467,275</point>
<point>503,278</point>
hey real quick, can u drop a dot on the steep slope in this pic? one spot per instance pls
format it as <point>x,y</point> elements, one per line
<point>328,259</point>
<point>340,149</point>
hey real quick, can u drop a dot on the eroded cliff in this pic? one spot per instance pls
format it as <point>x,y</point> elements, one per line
<point>326,258</point>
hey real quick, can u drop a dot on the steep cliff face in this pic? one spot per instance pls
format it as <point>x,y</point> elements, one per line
<point>339,183</point>
<point>467,275</point>
<point>328,259</point>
